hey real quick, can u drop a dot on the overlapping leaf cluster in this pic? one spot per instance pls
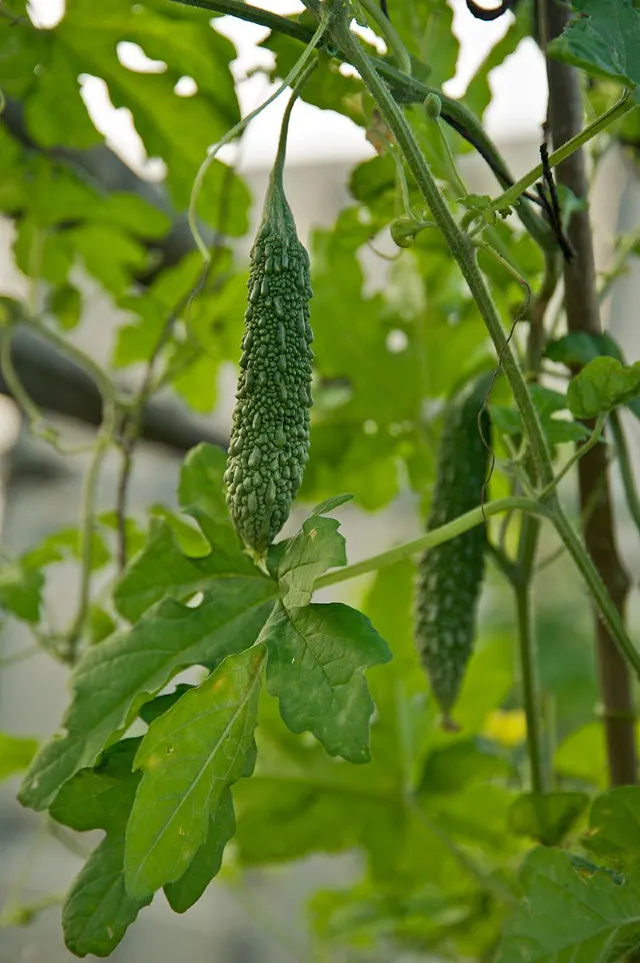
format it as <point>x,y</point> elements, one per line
<point>164,800</point>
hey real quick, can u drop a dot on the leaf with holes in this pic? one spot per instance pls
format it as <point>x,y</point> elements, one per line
<point>571,915</point>
<point>162,571</point>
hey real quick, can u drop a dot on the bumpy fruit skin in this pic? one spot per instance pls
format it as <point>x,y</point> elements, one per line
<point>450,576</point>
<point>269,444</point>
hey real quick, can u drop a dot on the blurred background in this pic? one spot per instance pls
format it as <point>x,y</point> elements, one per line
<point>261,916</point>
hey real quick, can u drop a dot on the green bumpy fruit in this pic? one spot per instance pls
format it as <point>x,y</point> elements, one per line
<point>269,444</point>
<point>450,575</point>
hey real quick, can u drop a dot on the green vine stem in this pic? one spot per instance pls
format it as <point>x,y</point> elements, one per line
<point>296,71</point>
<point>626,470</point>
<point>251,14</point>
<point>389,34</point>
<point>510,196</point>
<point>462,250</point>
<point>598,590</point>
<point>103,442</point>
<point>38,424</point>
<point>580,452</point>
<point>432,538</point>
<point>408,90</point>
<point>458,243</point>
<point>531,691</point>
<point>103,382</point>
<point>530,686</point>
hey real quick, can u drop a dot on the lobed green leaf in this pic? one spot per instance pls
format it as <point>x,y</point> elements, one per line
<point>571,915</point>
<point>602,384</point>
<point>317,658</point>
<point>188,756</point>
<point>317,547</point>
<point>602,38</point>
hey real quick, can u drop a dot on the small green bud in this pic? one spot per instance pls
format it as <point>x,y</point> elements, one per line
<point>433,105</point>
<point>404,231</point>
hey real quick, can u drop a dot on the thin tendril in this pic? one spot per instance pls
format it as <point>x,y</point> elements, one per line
<point>290,79</point>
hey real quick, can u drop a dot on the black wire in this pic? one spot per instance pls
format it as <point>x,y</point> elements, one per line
<point>480,13</point>
<point>549,196</point>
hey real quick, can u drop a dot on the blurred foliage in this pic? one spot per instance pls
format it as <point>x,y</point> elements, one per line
<point>442,822</point>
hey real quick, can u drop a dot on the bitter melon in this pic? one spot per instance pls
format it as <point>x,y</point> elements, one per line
<point>450,575</point>
<point>270,435</point>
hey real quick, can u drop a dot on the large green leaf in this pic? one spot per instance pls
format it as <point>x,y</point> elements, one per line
<point>177,129</point>
<point>152,306</point>
<point>207,861</point>
<point>162,571</point>
<point>65,217</point>
<point>114,678</point>
<point>188,757</point>
<point>317,658</point>
<point>570,915</point>
<point>477,96</point>
<point>300,800</point>
<point>579,348</point>
<point>603,38</point>
<point>97,910</point>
